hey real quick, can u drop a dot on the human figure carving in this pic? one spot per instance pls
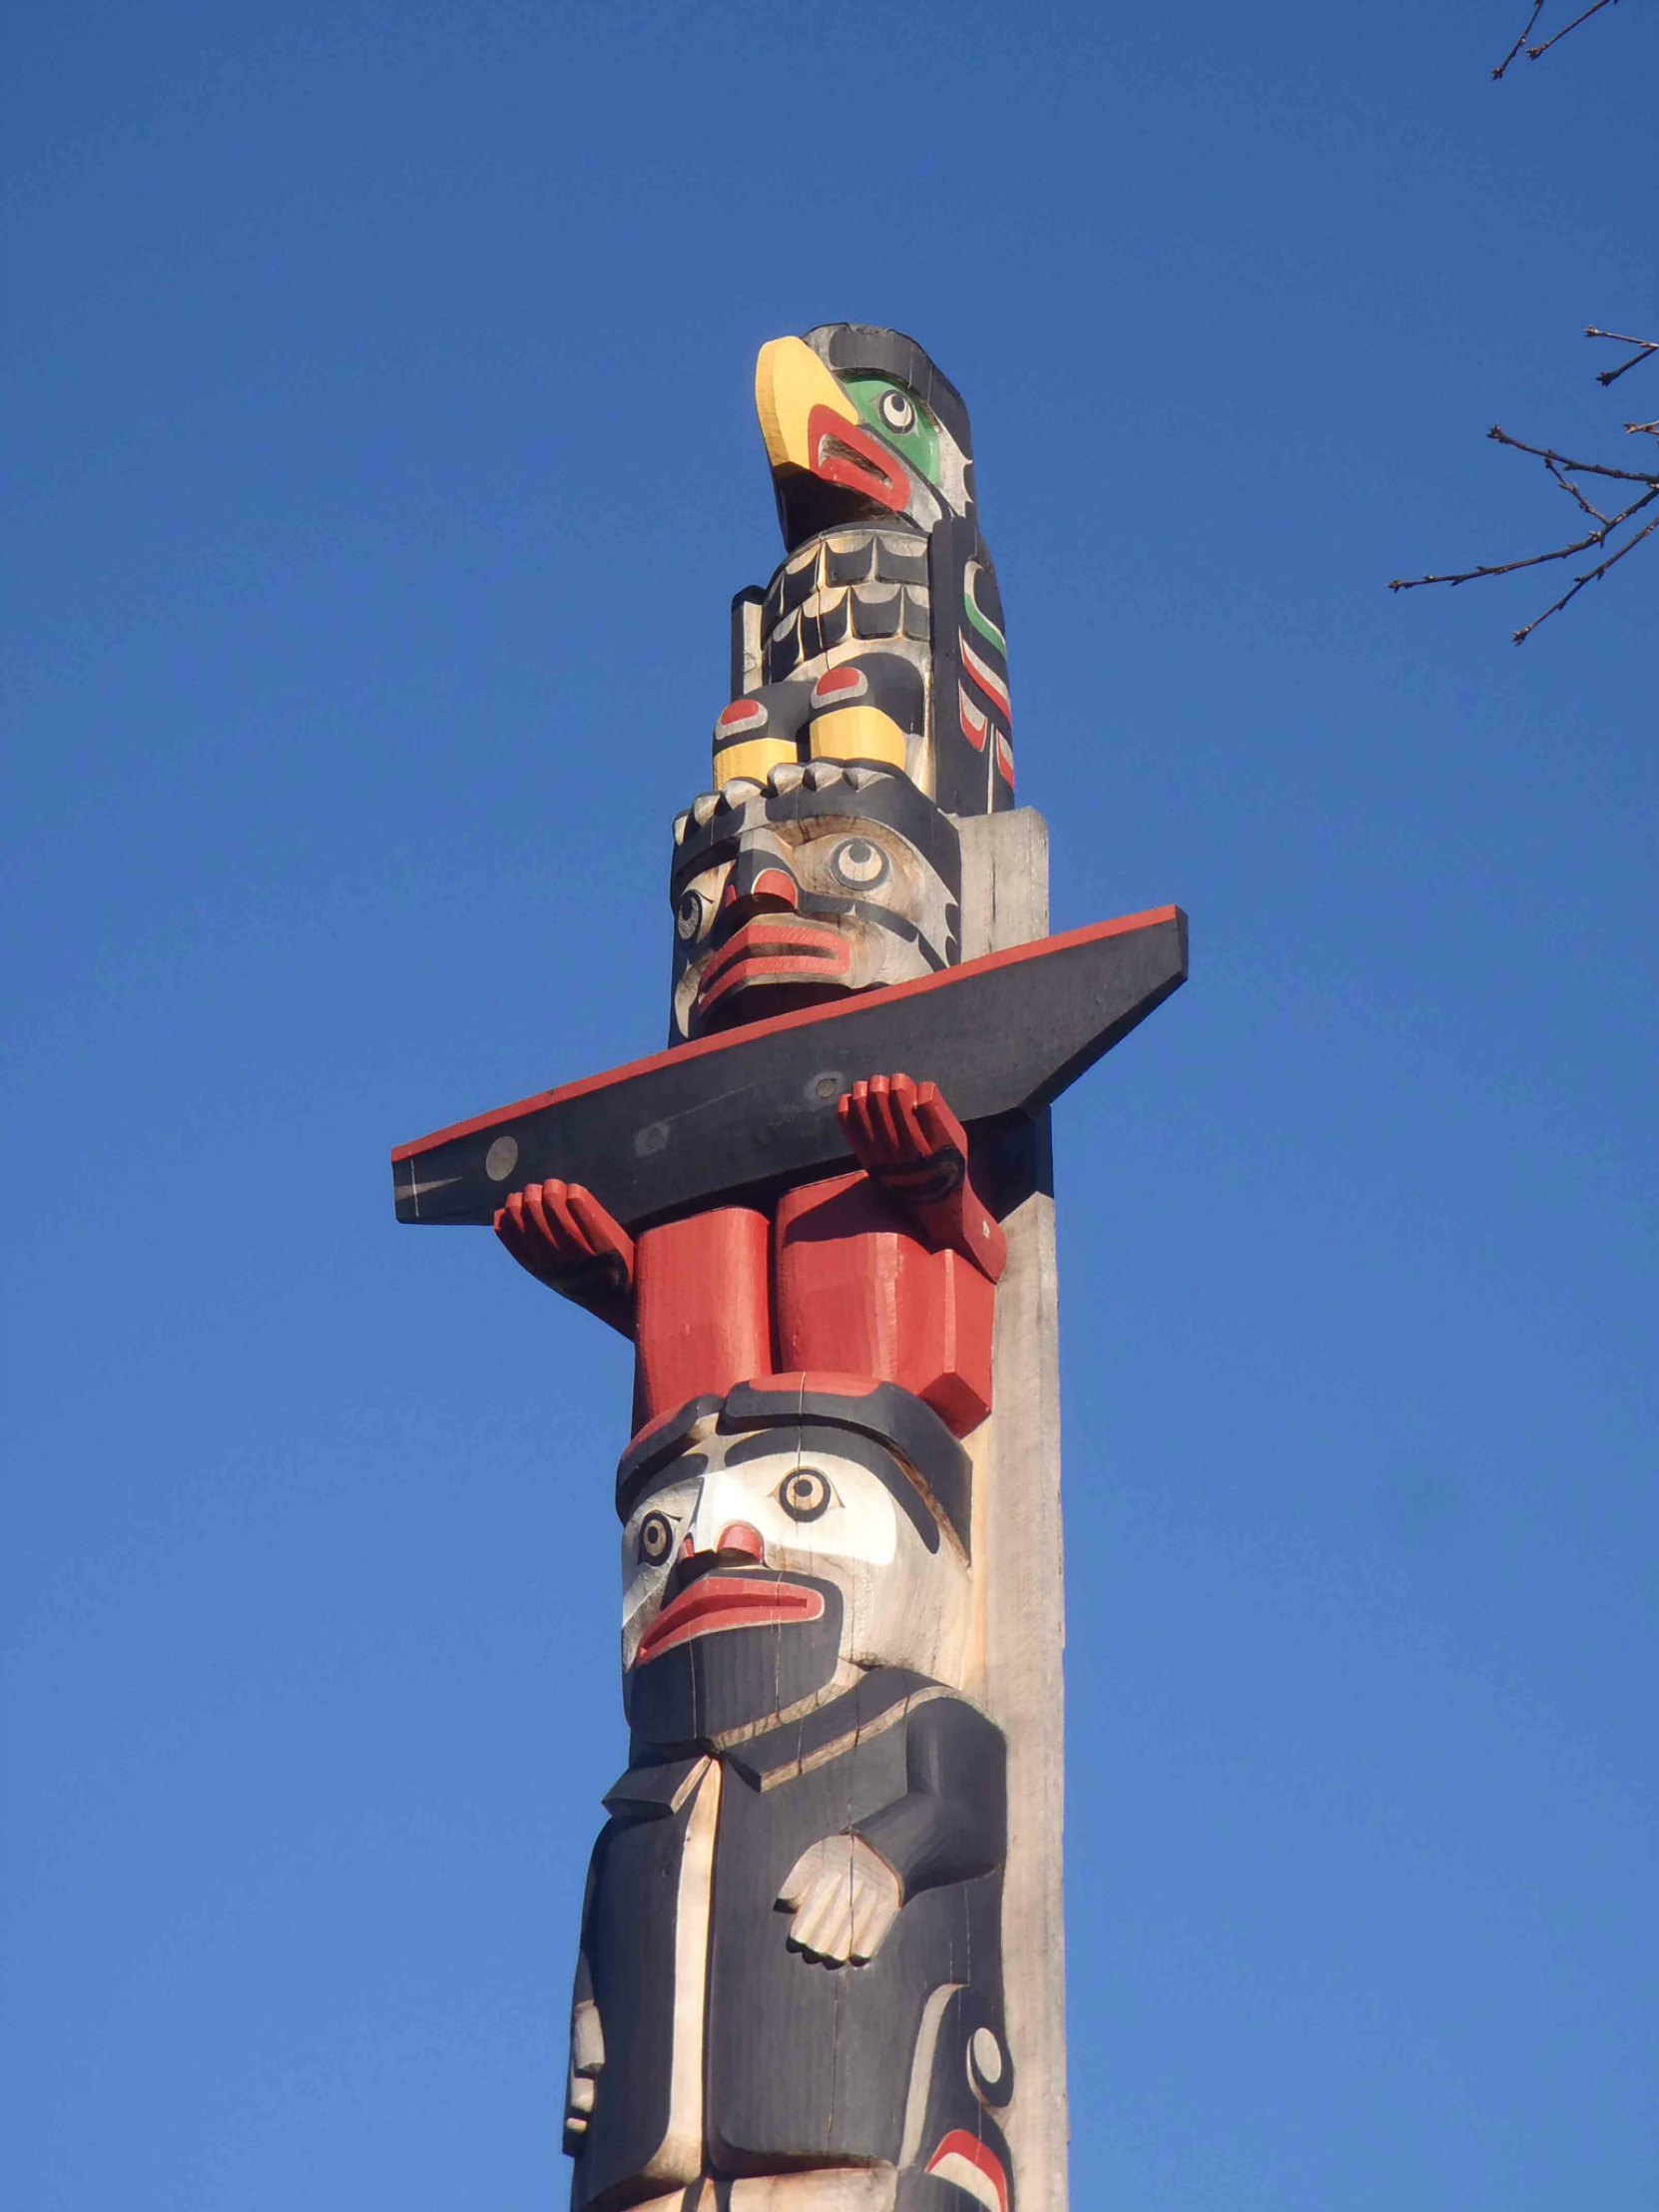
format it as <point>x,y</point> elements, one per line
<point>790,1951</point>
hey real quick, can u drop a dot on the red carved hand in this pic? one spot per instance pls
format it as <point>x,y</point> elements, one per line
<point>905,1137</point>
<point>566,1239</point>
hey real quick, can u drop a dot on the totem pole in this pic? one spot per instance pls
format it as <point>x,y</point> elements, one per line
<point>819,1963</point>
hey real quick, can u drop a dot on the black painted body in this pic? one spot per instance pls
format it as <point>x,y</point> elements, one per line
<point>804,2065</point>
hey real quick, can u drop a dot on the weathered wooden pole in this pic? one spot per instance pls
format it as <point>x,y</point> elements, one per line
<point>821,1959</point>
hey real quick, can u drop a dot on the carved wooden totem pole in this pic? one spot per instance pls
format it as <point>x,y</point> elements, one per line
<point>819,1963</point>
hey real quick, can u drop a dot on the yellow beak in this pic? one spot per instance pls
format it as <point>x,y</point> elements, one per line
<point>789,381</point>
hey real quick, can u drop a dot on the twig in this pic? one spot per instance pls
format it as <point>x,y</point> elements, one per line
<point>1537,10</point>
<point>1594,575</point>
<point>1533,52</point>
<point>1548,454</point>
<point>1645,351</point>
<point>1572,491</point>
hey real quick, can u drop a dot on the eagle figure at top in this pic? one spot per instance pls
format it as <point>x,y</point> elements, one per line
<point>879,640</point>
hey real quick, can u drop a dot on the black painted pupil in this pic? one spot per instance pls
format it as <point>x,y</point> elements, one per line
<point>654,1536</point>
<point>805,1494</point>
<point>691,909</point>
<point>898,410</point>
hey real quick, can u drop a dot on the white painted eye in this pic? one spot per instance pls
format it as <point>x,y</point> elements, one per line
<point>656,1538</point>
<point>804,1494</point>
<point>688,916</point>
<point>859,864</point>
<point>897,411</point>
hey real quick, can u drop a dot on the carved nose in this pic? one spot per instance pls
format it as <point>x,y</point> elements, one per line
<point>769,890</point>
<point>740,1537</point>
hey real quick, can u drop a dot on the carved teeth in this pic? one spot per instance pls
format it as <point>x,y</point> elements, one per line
<point>822,774</point>
<point>863,774</point>
<point>735,796</point>
<point>703,806</point>
<point>681,822</point>
<point>787,778</point>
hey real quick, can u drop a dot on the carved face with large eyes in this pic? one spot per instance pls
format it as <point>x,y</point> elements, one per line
<point>792,899</point>
<point>758,1569</point>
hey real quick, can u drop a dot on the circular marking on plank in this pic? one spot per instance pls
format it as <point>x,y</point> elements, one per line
<point>501,1159</point>
<point>650,1138</point>
<point>826,1085</point>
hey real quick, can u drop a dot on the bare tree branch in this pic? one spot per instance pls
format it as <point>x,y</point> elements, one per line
<point>1594,576</point>
<point>1562,473</point>
<point>1533,52</point>
<point>1537,10</point>
<point>1645,350</point>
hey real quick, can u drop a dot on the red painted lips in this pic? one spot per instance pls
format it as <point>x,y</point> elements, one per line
<point>767,952</point>
<point>720,1601</point>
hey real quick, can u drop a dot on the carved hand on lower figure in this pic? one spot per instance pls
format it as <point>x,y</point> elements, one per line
<point>905,1138</point>
<point>844,1897</point>
<point>565,1238</point>
<point>587,2064</point>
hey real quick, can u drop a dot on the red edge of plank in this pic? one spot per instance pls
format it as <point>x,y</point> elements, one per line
<point>703,1047</point>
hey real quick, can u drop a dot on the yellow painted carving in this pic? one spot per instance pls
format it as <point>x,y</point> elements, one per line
<point>789,381</point>
<point>857,734</point>
<point>755,756</point>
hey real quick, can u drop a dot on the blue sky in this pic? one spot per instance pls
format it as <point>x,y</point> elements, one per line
<point>381,461</point>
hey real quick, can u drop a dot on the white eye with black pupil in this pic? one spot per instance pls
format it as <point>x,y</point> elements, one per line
<point>656,1538</point>
<point>859,864</point>
<point>688,919</point>
<point>897,411</point>
<point>803,1494</point>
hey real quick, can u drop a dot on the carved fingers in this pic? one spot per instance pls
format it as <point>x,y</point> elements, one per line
<point>908,1140</point>
<point>565,1238</point>
<point>587,2062</point>
<point>895,1126</point>
<point>844,1897</point>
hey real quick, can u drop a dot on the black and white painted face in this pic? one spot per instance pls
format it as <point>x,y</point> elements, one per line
<point>793,899</point>
<point>747,1531</point>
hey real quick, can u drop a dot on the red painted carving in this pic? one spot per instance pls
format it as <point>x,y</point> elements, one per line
<point>566,1239</point>
<point>703,1307</point>
<point>886,1274</point>
<point>859,1290</point>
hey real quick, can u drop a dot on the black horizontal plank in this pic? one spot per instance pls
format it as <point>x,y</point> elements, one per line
<point>711,1121</point>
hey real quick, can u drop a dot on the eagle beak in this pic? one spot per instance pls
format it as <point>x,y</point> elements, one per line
<point>810,426</point>
<point>791,384</point>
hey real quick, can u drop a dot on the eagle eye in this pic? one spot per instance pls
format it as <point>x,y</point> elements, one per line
<point>898,410</point>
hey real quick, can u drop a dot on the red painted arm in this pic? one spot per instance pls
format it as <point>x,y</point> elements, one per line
<point>561,1234</point>
<point>908,1140</point>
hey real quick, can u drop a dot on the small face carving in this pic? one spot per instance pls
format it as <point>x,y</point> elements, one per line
<point>748,1531</point>
<point>792,900</point>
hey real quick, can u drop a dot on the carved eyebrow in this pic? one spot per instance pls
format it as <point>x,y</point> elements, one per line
<point>800,1440</point>
<point>670,1478</point>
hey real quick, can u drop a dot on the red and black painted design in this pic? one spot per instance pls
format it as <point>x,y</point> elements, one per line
<point>789,1982</point>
